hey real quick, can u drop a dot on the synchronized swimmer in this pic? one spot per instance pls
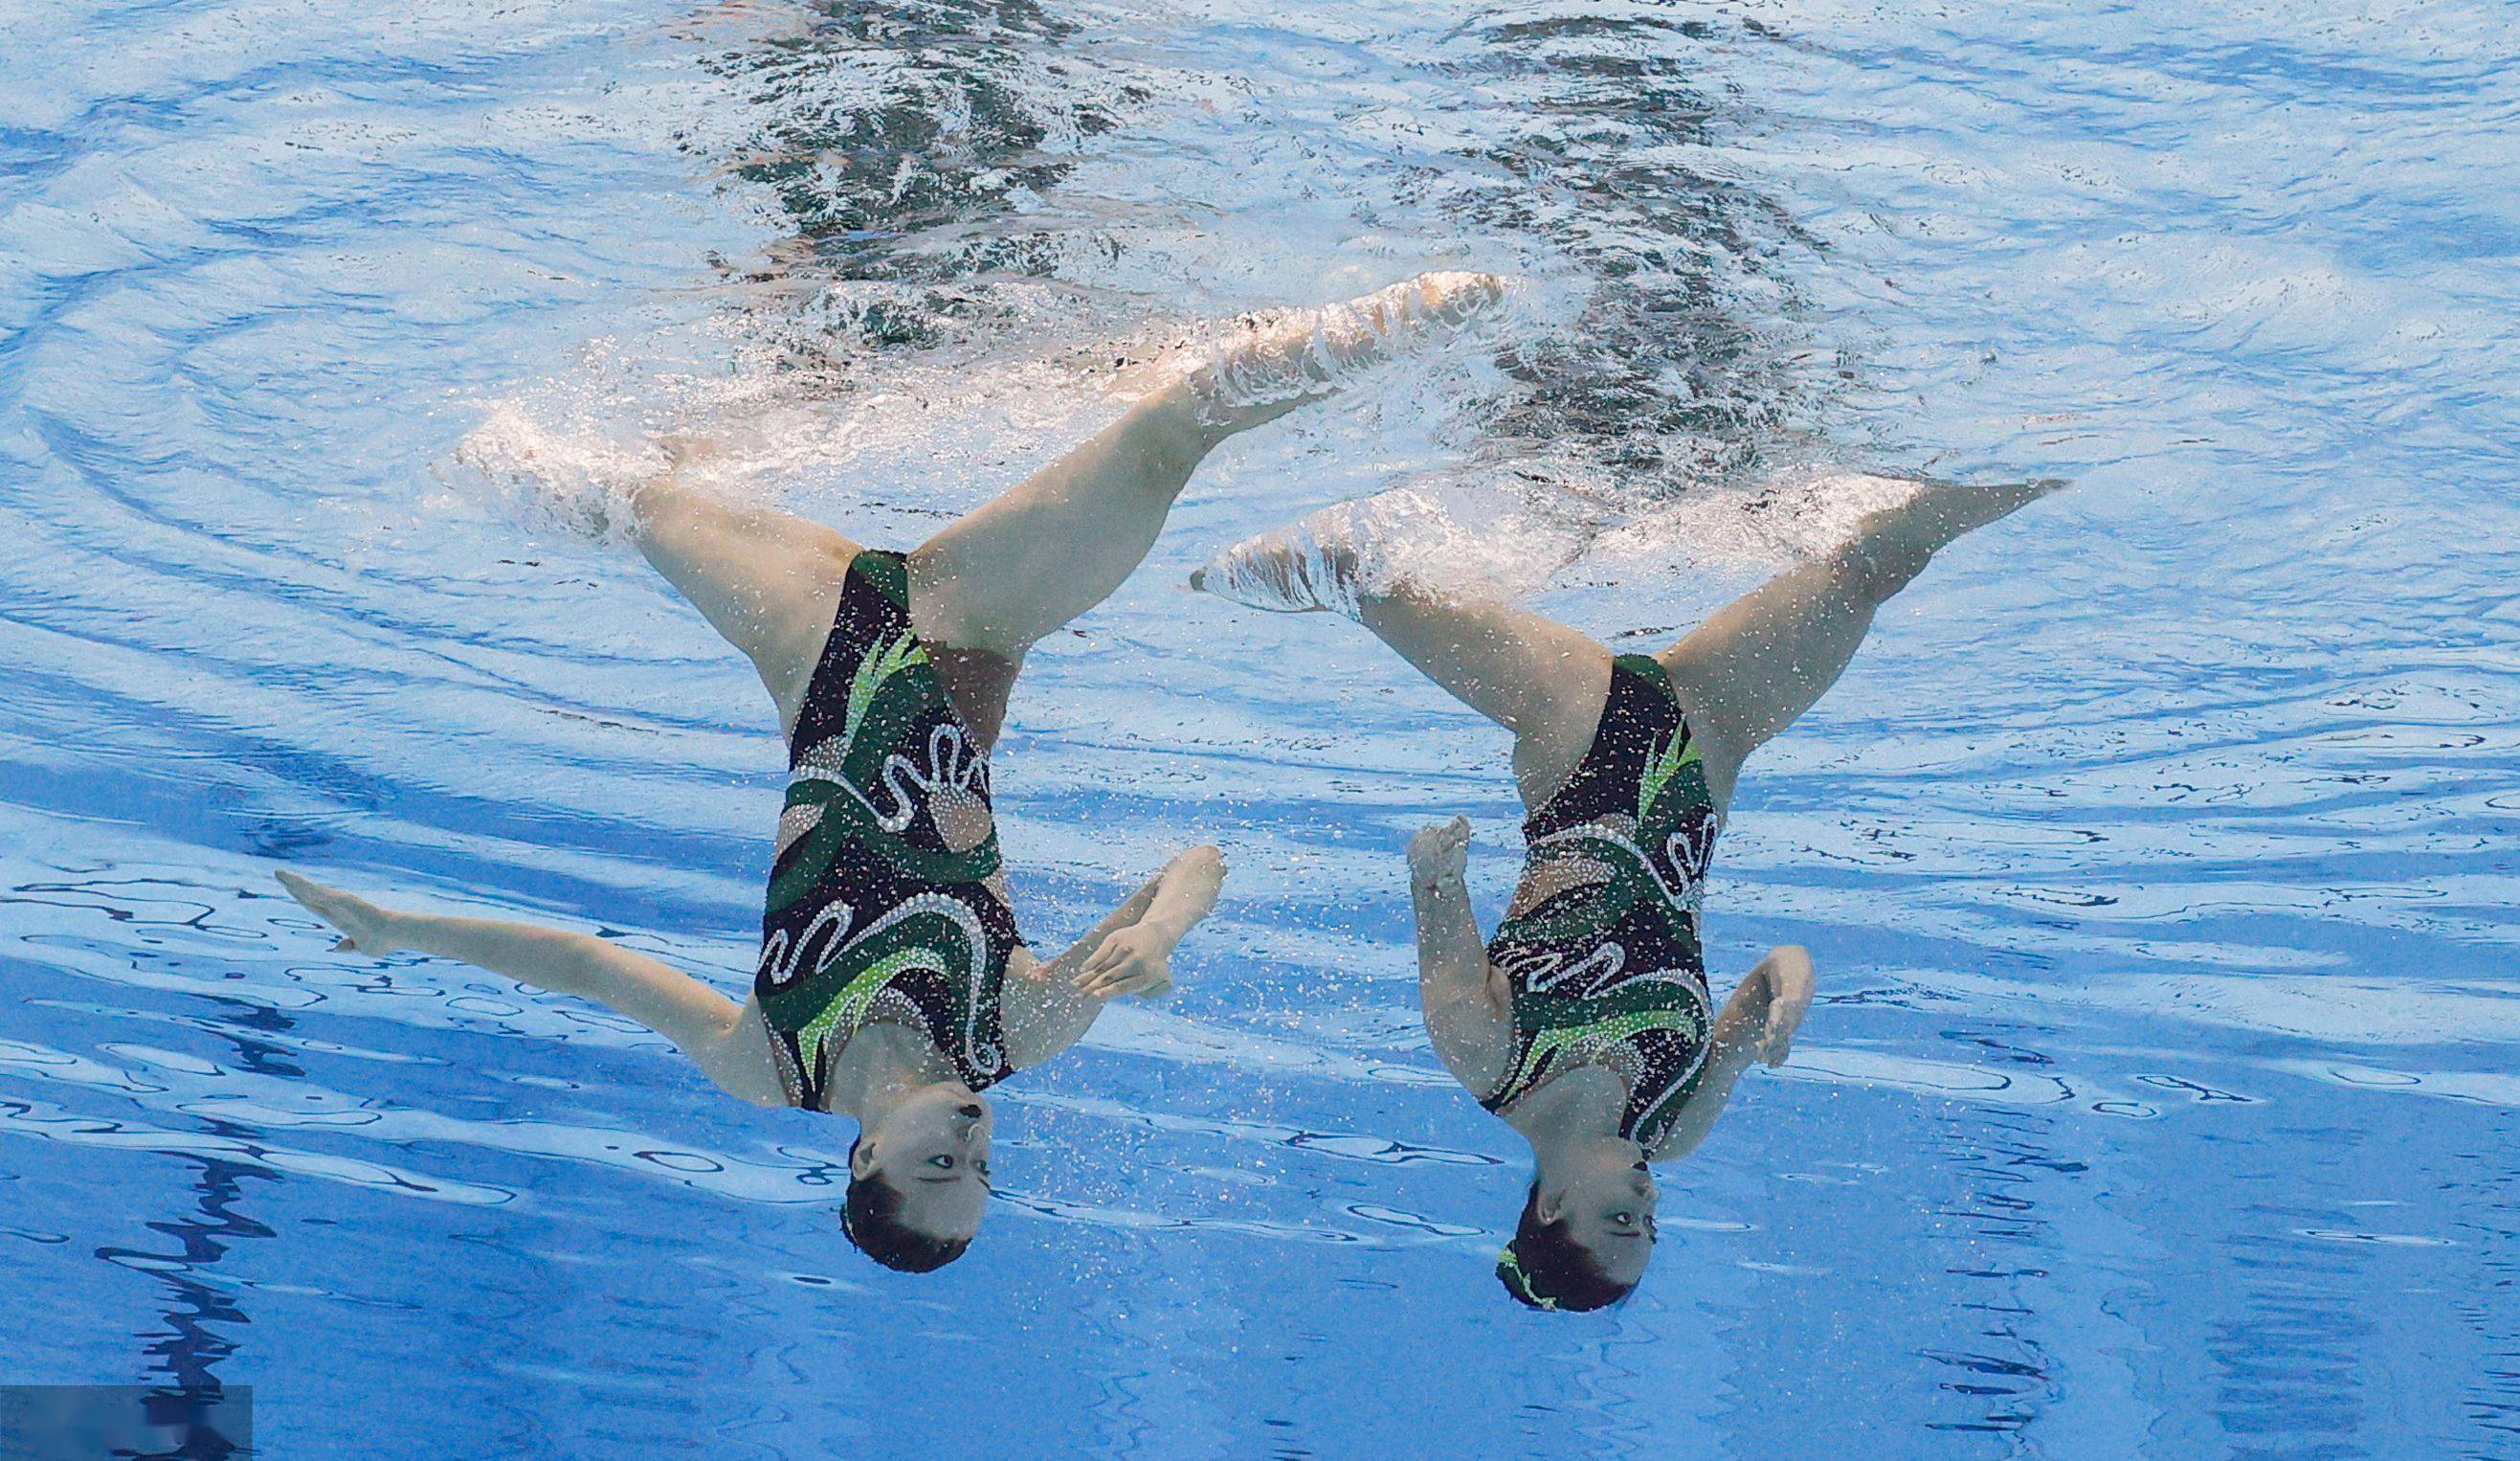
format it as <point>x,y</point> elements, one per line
<point>892,985</point>
<point>1586,1024</point>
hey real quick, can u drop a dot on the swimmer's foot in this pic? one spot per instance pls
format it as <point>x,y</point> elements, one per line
<point>1309,568</point>
<point>585,484</point>
<point>1946,510</point>
<point>1893,543</point>
<point>1279,362</point>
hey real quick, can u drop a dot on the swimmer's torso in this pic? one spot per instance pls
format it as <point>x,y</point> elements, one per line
<point>885,898</point>
<point>1601,950</point>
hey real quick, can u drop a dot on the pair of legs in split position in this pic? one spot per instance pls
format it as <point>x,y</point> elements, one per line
<point>1586,1024</point>
<point>892,985</point>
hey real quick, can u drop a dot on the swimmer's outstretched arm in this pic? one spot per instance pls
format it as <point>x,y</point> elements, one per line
<point>1052,1005</point>
<point>706,1025</point>
<point>1757,1024</point>
<point>1467,1007</point>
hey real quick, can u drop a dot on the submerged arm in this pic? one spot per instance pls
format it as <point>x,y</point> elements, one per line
<point>1758,1025</point>
<point>1130,952</point>
<point>1468,1018</point>
<point>703,1022</point>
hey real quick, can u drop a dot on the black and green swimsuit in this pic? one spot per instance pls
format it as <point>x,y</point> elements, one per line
<point>1602,951</point>
<point>885,897</point>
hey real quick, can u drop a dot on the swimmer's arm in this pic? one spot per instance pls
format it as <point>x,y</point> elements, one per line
<point>1136,957</point>
<point>706,1025</point>
<point>1757,1025</point>
<point>1467,1010</point>
<point>1050,1007</point>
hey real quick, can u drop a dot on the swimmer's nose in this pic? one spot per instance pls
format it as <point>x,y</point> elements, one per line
<point>972,1108</point>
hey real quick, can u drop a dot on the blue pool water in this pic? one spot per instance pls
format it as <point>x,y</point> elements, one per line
<point>2157,854</point>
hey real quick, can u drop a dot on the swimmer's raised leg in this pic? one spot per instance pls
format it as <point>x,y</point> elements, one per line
<point>988,586</point>
<point>1059,542</point>
<point>1763,660</point>
<point>1742,676</point>
<point>766,580</point>
<point>1540,679</point>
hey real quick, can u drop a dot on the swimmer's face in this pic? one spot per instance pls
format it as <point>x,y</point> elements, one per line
<point>1608,1208</point>
<point>934,1151</point>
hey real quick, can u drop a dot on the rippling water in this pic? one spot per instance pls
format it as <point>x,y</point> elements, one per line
<point>2157,853</point>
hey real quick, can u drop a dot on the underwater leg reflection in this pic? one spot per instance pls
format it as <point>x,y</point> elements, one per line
<point>892,985</point>
<point>1586,1023</point>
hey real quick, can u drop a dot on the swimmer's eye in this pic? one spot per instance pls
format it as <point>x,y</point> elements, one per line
<point>941,1163</point>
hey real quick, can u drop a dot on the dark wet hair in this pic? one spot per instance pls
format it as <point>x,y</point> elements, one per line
<point>1544,1268</point>
<point>873,1222</point>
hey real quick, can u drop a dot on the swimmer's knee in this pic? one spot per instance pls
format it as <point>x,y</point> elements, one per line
<point>1874,570</point>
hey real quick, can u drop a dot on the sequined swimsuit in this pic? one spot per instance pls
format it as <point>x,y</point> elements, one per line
<point>1601,950</point>
<point>885,900</point>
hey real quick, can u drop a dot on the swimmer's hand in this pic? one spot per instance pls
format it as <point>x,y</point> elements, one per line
<point>1769,1007</point>
<point>1441,852</point>
<point>365,928</point>
<point>1136,958</point>
<point>1789,984</point>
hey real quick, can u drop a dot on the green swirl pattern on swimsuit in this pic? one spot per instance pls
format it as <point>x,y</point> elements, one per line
<point>884,900</point>
<point>1602,953</point>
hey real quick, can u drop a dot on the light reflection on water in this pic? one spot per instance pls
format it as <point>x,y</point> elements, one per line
<point>2156,860</point>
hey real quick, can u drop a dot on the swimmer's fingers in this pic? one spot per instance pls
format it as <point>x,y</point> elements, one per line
<point>1107,956</point>
<point>1132,975</point>
<point>1131,961</point>
<point>1135,977</point>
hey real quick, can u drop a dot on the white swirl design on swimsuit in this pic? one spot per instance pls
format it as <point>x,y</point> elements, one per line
<point>955,774</point>
<point>1602,964</point>
<point>780,960</point>
<point>983,1056</point>
<point>779,956</point>
<point>1596,832</point>
<point>1690,849</point>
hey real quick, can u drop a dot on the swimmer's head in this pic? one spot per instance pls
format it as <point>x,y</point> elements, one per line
<point>1587,1231</point>
<point>919,1180</point>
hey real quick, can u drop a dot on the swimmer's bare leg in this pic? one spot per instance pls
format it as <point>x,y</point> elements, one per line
<point>769,581</point>
<point>726,1040</point>
<point>1058,543</point>
<point>1538,678</point>
<point>1769,656</point>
